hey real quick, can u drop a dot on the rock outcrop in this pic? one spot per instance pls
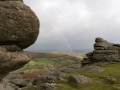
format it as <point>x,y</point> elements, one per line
<point>18,24</point>
<point>103,51</point>
<point>10,61</point>
<point>19,28</point>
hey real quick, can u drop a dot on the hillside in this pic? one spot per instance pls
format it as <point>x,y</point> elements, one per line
<point>103,75</point>
<point>42,62</point>
<point>52,71</point>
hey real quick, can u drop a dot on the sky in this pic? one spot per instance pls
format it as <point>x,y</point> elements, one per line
<point>74,24</point>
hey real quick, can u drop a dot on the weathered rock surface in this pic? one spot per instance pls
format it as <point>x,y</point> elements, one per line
<point>79,79</point>
<point>105,55</point>
<point>48,86</point>
<point>18,24</point>
<point>19,28</point>
<point>91,68</point>
<point>20,82</point>
<point>102,44</point>
<point>13,81</point>
<point>13,75</point>
<point>104,51</point>
<point>45,79</point>
<point>10,61</point>
<point>48,77</point>
<point>6,85</point>
<point>110,79</point>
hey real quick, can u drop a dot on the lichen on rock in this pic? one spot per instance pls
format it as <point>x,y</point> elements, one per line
<point>18,24</point>
<point>19,28</point>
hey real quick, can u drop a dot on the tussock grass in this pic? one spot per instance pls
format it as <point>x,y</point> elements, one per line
<point>98,83</point>
<point>44,61</point>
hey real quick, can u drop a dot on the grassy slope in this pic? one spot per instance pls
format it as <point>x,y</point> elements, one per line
<point>44,61</point>
<point>47,62</point>
<point>98,83</point>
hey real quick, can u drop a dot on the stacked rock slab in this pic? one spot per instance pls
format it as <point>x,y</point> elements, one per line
<point>19,28</point>
<point>103,51</point>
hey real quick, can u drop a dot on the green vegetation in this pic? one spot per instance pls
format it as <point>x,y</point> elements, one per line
<point>40,61</point>
<point>32,63</point>
<point>99,82</point>
<point>44,61</point>
<point>29,70</point>
<point>32,88</point>
<point>45,64</point>
<point>37,65</point>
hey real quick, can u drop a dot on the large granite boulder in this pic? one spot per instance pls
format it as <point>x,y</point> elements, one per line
<point>10,61</point>
<point>18,24</point>
<point>19,28</point>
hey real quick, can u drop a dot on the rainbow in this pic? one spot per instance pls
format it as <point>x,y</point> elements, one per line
<point>65,40</point>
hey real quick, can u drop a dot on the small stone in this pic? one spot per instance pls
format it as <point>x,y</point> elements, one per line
<point>48,86</point>
<point>92,68</point>
<point>80,79</point>
<point>20,82</point>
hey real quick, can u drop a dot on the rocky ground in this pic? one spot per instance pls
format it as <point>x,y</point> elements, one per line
<point>17,81</point>
<point>67,78</point>
<point>54,79</point>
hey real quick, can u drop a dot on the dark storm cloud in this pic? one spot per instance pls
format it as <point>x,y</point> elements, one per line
<point>74,24</point>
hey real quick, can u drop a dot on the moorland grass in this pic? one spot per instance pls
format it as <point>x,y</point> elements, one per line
<point>32,62</point>
<point>36,65</point>
<point>97,83</point>
<point>44,61</point>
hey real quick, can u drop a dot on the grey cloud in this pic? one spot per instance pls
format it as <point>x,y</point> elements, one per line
<point>67,24</point>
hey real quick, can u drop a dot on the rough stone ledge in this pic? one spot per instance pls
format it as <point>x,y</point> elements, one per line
<point>10,61</point>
